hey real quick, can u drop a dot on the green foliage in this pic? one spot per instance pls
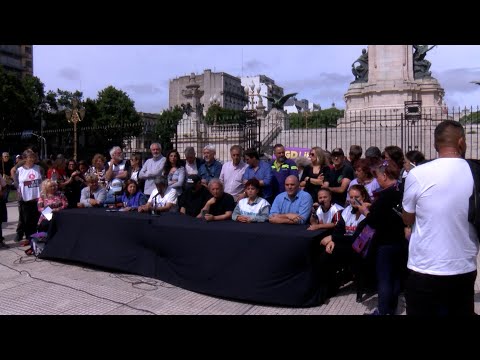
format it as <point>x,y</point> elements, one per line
<point>218,115</point>
<point>20,101</point>
<point>166,127</point>
<point>315,119</point>
<point>472,118</point>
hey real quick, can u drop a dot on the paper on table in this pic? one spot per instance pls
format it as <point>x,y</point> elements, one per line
<point>48,213</point>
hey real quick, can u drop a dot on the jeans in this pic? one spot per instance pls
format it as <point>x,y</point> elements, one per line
<point>390,261</point>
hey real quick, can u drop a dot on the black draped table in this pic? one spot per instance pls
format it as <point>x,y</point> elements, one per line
<point>263,263</point>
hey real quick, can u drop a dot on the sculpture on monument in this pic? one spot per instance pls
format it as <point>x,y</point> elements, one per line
<point>278,102</point>
<point>421,66</point>
<point>187,108</point>
<point>360,71</point>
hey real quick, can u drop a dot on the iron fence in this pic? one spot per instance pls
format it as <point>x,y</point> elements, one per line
<point>381,128</point>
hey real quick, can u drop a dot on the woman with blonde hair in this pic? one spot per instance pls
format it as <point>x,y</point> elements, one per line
<point>52,198</point>
<point>314,176</point>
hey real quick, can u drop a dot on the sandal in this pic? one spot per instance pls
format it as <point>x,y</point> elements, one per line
<point>29,251</point>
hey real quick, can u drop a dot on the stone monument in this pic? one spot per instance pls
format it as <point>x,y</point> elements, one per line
<point>396,75</point>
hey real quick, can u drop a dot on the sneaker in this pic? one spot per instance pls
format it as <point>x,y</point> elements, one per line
<point>375,312</point>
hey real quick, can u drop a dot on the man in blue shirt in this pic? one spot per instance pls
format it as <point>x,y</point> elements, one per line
<point>211,168</point>
<point>259,170</point>
<point>293,206</point>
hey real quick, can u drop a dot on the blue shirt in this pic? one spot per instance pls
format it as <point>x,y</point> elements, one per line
<point>210,171</point>
<point>264,173</point>
<point>301,204</point>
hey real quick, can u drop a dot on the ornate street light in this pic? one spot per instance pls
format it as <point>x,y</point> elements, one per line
<point>74,116</point>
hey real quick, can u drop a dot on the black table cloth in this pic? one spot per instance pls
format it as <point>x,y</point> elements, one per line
<point>263,263</point>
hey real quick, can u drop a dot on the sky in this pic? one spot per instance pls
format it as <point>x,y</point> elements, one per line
<point>319,73</point>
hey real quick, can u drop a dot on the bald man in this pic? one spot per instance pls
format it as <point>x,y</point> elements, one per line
<point>443,246</point>
<point>293,206</point>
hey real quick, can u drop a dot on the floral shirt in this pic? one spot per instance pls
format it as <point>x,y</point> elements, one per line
<point>55,201</point>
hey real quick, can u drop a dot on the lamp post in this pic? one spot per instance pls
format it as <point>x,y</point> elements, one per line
<point>74,116</point>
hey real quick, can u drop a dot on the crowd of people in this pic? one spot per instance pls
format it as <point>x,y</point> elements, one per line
<point>329,193</point>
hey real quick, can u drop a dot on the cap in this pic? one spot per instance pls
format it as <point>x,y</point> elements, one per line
<point>193,179</point>
<point>116,186</point>
<point>373,151</point>
<point>17,156</point>
<point>338,152</point>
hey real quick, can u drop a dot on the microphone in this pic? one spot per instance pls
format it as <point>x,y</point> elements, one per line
<point>154,201</point>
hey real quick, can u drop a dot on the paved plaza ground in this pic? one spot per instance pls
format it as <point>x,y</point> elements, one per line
<point>32,286</point>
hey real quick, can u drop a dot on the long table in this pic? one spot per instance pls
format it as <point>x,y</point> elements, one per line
<point>261,263</point>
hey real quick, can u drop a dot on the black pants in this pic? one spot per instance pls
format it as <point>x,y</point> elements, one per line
<point>28,216</point>
<point>435,295</point>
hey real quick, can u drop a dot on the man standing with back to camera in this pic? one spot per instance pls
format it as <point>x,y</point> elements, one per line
<point>443,248</point>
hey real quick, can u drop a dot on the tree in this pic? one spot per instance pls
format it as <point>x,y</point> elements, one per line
<point>218,115</point>
<point>167,127</point>
<point>472,118</point>
<point>315,119</point>
<point>114,118</point>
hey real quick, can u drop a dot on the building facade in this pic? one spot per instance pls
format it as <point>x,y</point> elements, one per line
<point>225,89</point>
<point>260,85</point>
<point>17,59</point>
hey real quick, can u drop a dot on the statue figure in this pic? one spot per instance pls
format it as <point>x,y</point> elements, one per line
<point>278,102</point>
<point>361,70</point>
<point>421,65</point>
<point>187,108</point>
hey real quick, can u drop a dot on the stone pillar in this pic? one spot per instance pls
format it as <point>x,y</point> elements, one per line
<point>390,84</point>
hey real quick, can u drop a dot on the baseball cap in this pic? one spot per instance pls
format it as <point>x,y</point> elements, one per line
<point>116,186</point>
<point>192,180</point>
<point>338,152</point>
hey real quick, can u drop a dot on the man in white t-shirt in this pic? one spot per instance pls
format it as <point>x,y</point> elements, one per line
<point>162,199</point>
<point>443,246</point>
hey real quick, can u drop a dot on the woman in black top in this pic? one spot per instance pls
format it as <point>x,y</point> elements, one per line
<point>314,175</point>
<point>389,247</point>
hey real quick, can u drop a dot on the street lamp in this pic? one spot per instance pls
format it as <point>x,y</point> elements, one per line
<point>74,116</point>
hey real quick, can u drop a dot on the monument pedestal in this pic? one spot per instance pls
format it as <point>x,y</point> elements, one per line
<point>390,84</point>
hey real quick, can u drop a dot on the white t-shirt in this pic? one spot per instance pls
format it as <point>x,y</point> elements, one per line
<point>29,181</point>
<point>329,217</point>
<point>443,242</point>
<point>351,221</point>
<point>158,200</point>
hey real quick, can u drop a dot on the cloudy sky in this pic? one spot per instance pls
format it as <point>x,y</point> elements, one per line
<point>319,73</point>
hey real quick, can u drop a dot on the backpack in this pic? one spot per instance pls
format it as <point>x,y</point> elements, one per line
<point>474,201</point>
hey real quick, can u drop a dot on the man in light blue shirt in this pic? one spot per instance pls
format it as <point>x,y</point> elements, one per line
<point>293,206</point>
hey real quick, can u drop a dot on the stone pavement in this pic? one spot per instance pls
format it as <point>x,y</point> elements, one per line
<point>33,286</point>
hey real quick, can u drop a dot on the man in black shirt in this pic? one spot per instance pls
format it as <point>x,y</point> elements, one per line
<point>195,196</point>
<point>221,205</point>
<point>340,177</point>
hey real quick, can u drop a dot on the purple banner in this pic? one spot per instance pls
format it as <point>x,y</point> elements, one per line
<point>295,152</point>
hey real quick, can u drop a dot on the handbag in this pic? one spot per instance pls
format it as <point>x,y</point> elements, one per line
<point>363,240</point>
